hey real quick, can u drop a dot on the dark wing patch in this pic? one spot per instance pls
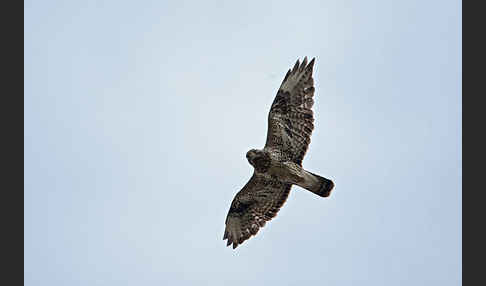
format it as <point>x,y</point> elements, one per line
<point>258,202</point>
<point>291,119</point>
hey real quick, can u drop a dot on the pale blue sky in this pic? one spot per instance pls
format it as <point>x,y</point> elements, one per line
<point>138,115</point>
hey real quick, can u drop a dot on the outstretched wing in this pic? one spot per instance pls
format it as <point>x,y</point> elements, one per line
<point>291,119</point>
<point>258,202</point>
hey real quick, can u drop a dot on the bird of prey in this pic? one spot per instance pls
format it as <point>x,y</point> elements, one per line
<point>278,165</point>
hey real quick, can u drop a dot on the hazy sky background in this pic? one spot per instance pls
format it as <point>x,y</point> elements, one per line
<point>138,115</point>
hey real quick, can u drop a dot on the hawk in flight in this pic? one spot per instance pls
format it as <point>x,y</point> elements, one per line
<point>278,165</point>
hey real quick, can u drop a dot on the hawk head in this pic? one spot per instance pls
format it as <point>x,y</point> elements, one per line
<point>258,159</point>
<point>251,155</point>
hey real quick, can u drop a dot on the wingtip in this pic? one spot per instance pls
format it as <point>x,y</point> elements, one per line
<point>303,65</point>
<point>310,66</point>
<point>296,66</point>
<point>312,61</point>
<point>287,75</point>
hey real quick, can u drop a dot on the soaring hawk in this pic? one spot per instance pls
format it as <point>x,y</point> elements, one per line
<point>278,165</point>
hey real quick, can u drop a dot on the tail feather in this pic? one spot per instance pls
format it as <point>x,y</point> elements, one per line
<point>317,184</point>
